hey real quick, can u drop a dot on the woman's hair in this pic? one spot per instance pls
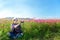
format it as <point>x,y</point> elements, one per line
<point>15,19</point>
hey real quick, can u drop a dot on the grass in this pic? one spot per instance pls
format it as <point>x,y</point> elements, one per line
<point>32,31</point>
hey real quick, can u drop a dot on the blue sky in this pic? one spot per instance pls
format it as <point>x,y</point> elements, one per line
<point>30,8</point>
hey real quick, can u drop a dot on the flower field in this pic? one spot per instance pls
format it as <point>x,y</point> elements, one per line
<point>33,30</point>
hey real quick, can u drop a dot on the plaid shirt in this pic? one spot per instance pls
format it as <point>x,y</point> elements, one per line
<point>16,30</point>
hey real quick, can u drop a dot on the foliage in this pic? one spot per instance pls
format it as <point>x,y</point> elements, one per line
<point>33,31</point>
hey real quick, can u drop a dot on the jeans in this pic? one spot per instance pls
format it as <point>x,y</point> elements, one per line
<point>13,35</point>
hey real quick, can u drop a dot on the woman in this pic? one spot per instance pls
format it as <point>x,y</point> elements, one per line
<point>15,29</point>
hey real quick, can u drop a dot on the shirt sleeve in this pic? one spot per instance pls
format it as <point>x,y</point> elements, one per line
<point>12,27</point>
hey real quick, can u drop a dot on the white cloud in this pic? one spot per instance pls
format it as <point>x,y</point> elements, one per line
<point>18,10</point>
<point>10,13</point>
<point>5,13</point>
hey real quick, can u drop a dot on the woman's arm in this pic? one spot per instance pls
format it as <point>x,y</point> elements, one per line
<point>16,26</point>
<point>12,27</point>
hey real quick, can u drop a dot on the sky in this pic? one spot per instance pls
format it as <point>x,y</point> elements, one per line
<point>44,9</point>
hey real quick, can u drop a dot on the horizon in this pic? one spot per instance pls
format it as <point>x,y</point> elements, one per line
<point>32,18</point>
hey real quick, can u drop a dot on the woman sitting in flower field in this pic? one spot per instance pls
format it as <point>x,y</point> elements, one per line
<point>15,29</point>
